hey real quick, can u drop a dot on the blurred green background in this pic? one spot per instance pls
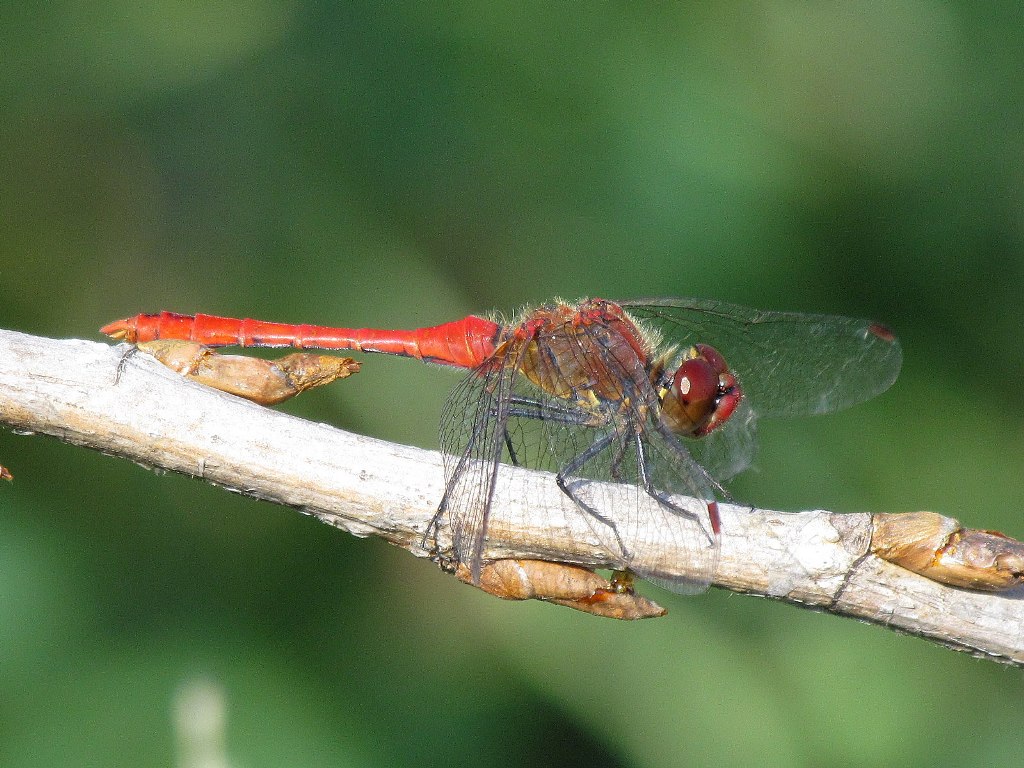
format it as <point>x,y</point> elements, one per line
<point>409,163</point>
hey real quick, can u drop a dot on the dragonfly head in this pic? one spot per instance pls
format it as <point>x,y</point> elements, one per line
<point>700,394</point>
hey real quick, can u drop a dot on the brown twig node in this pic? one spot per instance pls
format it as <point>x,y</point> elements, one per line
<point>940,549</point>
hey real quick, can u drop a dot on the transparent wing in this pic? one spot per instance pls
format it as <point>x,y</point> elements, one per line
<point>473,428</point>
<point>730,449</point>
<point>672,470</point>
<point>788,364</point>
<point>622,443</point>
<point>650,533</point>
<point>496,413</point>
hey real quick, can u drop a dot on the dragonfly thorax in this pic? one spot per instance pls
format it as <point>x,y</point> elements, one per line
<point>592,355</point>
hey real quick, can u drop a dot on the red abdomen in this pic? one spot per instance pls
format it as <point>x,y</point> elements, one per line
<point>464,343</point>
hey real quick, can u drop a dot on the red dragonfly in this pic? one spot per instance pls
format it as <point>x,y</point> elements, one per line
<point>635,392</point>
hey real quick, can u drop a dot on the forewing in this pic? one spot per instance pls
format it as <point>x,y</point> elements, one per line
<point>788,364</point>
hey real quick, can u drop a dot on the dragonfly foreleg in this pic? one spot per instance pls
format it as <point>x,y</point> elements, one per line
<point>644,469</point>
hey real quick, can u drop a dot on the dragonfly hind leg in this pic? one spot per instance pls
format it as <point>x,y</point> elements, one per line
<point>528,408</point>
<point>565,481</point>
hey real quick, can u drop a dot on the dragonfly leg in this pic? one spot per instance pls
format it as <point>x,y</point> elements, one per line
<point>565,481</point>
<point>644,467</point>
<point>526,408</point>
<point>616,463</point>
<point>511,449</point>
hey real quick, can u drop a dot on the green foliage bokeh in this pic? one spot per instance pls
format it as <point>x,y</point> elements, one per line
<point>405,164</point>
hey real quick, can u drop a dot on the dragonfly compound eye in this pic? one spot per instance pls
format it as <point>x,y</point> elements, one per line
<point>695,385</point>
<point>704,391</point>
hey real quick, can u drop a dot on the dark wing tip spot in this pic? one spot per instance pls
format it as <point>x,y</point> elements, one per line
<point>882,332</point>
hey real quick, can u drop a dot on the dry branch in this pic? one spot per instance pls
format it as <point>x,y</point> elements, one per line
<point>74,391</point>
